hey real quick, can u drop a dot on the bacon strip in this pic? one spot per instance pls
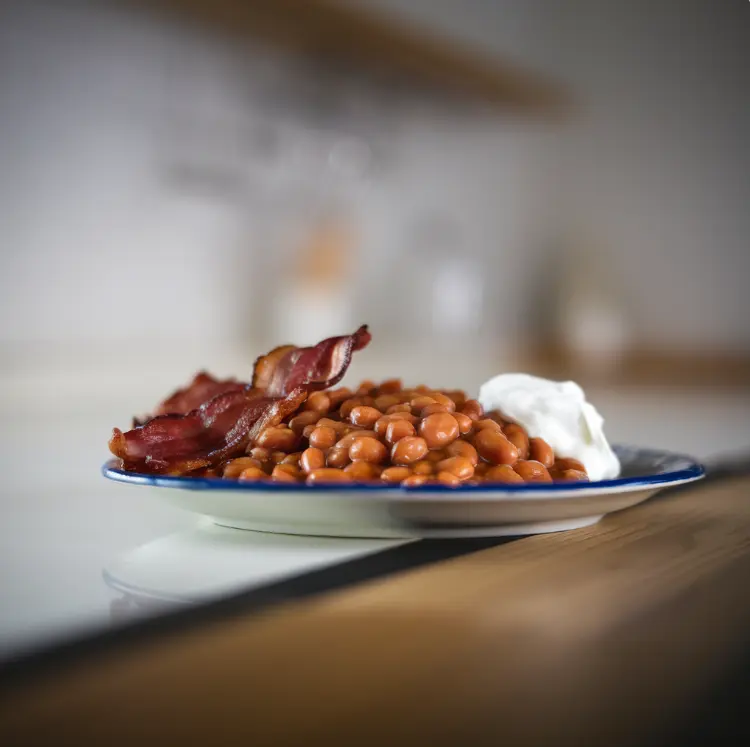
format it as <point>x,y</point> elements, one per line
<point>319,367</point>
<point>220,428</point>
<point>177,443</point>
<point>201,389</point>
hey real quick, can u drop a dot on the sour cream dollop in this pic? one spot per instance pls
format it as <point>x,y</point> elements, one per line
<point>556,411</point>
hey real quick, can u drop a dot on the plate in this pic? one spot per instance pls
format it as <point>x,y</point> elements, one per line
<point>390,511</point>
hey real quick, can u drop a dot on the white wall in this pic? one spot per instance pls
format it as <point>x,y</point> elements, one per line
<point>100,246</point>
<point>657,165</point>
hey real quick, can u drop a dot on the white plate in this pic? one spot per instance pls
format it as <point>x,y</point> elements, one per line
<point>341,510</point>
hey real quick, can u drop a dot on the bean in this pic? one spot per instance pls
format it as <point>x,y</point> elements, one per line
<point>252,473</point>
<point>365,449</point>
<point>413,419</point>
<point>473,409</point>
<point>541,451</point>
<point>307,430</point>
<point>384,401</point>
<point>382,424</point>
<point>390,386</point>
<point>350,438</point>
<point>532,471</point>
<point>439,430</point>
<point>348,405</point>
<point>519,438</point>
<point>323,437</point>
<point>398,429</point>
<point>312,459</point>
<point>502,473</point>
<point>401,407</point>
<point>278,456</point>
<point>569,475</point>
<point>318,402</point>
<point>561,464</point>
<point>261,454</point>
<point>395,474</point>
<point>422,389</point>
<point>365,416</point>
<point>448,478</point>
<point>487,424</point>
<point>278,438</point>
<point>337,458</point>
<point>465,423</point>
<point>432,409</point>
<point>337,396</point>
<point>494,447</point>
<point>234,467</point>
<point>423,468</point>
<point>443,399</point>
<point>366,387</point>
<point>285,473</point>
<point>414,481</point>
<point>458,397</point>
<point>481,469</point>
<point>408,450</point>
<point>460,448</point>
<point>327,475</point>
<point>299,422</point>
<point>461,467</point>
<point>292,458</point>
<point>437,456</point>
<point>362,471</point>
<point>419,403</point>
<point>343,428</point>
<point>329,422</point>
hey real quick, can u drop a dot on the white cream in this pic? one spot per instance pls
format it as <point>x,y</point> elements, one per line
<point>556,412</point>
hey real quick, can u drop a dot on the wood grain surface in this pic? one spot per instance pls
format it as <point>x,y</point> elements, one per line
<point>604,635</point>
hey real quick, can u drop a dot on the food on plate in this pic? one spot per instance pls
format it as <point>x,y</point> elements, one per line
<point>552,418</point>
<point>288,425</point>
<point>223,426</point>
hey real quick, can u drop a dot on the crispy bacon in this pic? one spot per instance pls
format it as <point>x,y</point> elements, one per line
<point>319,367</point>
<point>217,430</point>
<point>177,443</point>
<point>201,389</point>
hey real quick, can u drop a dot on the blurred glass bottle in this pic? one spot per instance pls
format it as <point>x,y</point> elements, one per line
<point>592,321</point>
<point>316,297</point>
<point>446,284</point>
<point>314,301</point>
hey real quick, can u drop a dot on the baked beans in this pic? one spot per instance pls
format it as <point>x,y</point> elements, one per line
<point>318,402</point>
<point>408,436</point>
<point>541,451</point>
<point>408,450</point>
<point>532,471</point>
<point>519,438</point>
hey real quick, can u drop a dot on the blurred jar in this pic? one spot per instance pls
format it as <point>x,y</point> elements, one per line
<point>593,325</point>
<point>314,301</point>
<point>446,285</point>
<point>317,241</point>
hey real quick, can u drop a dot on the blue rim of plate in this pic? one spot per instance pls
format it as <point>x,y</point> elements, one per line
<point>673,469</point>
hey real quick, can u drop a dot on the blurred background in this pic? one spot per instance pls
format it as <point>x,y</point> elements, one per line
<point>492,185</point>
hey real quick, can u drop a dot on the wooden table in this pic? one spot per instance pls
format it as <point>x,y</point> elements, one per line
<point>612,634</point>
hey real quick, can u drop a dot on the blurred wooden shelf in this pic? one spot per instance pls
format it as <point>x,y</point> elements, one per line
<point>646,368</point>
<point>353,36</point>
